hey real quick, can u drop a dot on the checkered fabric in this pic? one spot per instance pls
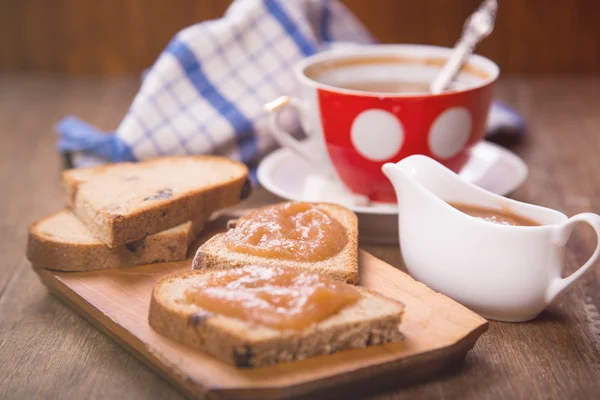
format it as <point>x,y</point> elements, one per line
<point>205,92</point>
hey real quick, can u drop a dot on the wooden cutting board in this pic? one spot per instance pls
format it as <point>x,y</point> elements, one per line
<point>438,332</point>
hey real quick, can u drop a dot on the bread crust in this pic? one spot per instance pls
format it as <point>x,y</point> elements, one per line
<point>374,320</point>
<point>343,266</point>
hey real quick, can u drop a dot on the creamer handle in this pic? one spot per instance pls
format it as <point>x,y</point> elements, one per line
<point>559,285</point>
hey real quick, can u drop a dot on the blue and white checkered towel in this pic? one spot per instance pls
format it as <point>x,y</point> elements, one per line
<point>205,93</point>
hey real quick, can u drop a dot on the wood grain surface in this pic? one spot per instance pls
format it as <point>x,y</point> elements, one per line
<point>48,351</point>
<point>114,37</point>
<point>437,332</point>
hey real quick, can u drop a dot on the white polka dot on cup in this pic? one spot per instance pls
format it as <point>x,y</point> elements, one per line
<point>450,132</point>
<point>377,135</point>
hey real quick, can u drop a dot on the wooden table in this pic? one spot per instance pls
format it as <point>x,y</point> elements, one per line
<point>48,351</point>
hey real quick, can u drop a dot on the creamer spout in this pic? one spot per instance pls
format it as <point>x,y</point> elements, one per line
<point>396,176</point>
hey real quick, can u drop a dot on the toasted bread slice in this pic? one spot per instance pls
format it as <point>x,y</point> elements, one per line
<point>122,203</point>
<point>61,241</point>
<point>153,246</point>
<point>342,266</point>
<point>372,320</point>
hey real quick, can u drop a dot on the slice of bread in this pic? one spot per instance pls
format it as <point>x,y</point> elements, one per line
<point>372,320</point>
<point>122,203</point>
<point>61,241</point>
<point>342,266</point>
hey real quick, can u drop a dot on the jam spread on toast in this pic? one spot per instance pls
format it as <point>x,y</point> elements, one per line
<point>277,297</point>
<point>289,231</point>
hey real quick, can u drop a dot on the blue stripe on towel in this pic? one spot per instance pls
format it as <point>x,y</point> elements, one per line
<point>244,131</point>
<point>277,11</point>
<point>76,135</point>
<point>325,18</point>
<point>517,119</point>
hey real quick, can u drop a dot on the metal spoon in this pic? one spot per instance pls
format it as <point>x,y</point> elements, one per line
<point>477,27</point>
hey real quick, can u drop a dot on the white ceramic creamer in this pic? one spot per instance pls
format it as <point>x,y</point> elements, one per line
<point>506,273</point>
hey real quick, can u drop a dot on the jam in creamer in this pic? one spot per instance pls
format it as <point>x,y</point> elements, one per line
<point>288,231</point>
<point>277,297</point>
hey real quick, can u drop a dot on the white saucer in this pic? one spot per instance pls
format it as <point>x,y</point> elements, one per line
<point>491,167</point>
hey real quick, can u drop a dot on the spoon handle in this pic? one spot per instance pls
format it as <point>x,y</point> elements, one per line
<point>446,76</point>
<point>477,27</point>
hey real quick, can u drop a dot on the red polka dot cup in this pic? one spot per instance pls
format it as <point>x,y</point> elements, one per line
<point>355,123</point>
